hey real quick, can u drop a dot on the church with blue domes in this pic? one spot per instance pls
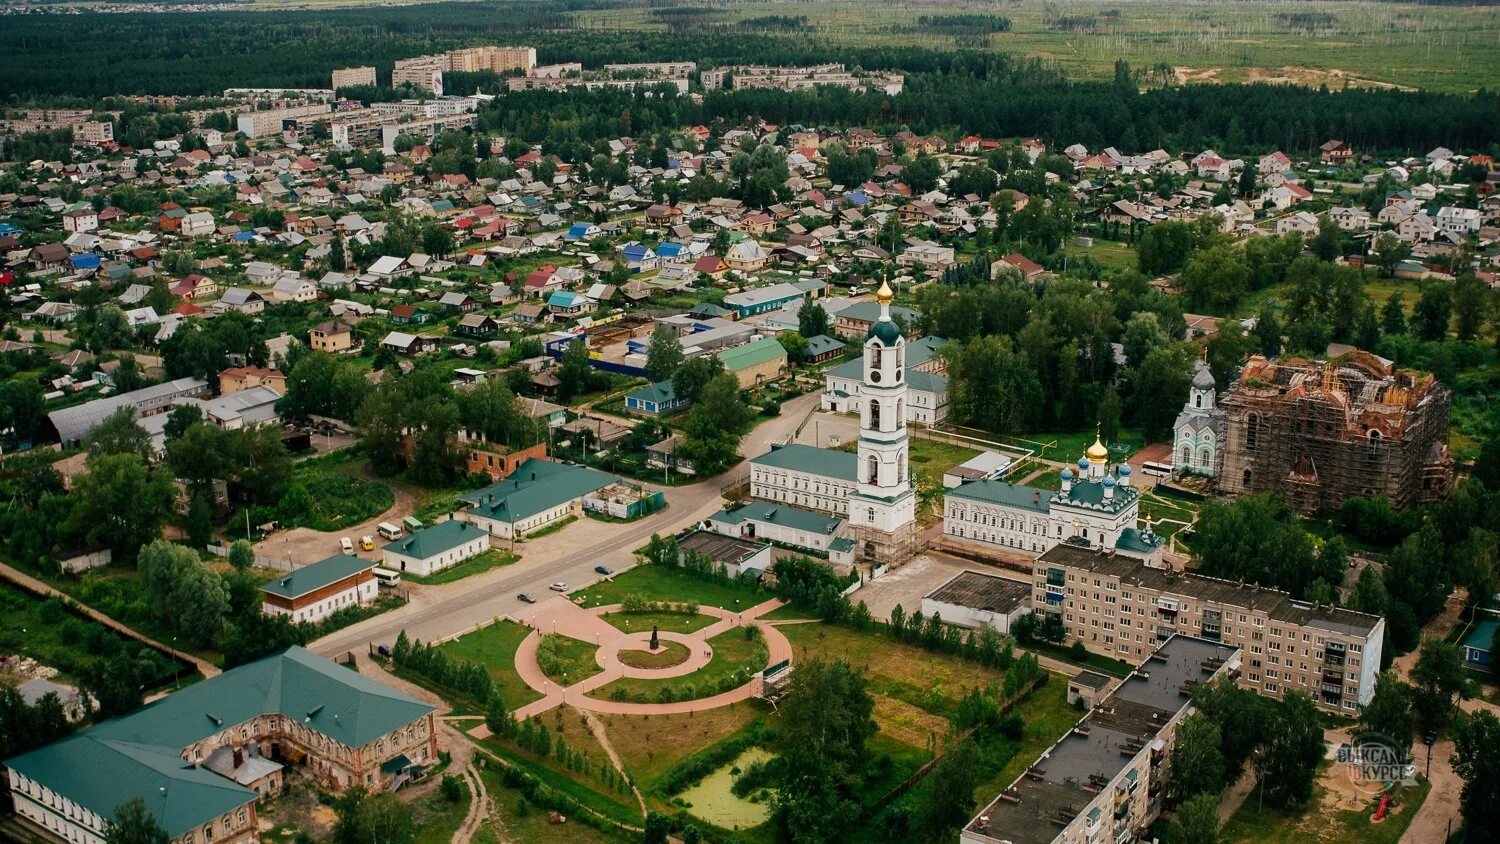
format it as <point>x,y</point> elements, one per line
<point>1095,505</point>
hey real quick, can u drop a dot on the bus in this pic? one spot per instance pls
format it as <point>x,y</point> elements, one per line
<point>1156,470</point>
<point>389,531</point>
<point>385,577</point>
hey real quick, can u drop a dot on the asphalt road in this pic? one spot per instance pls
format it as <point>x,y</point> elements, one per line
<point>568,556</point>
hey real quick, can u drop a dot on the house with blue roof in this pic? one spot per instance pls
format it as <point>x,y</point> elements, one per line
<point>85,261</point>
<point>582,231</point>
<point>655,399</point>
<point>640,258</point>
<point>537,494</point>
<point>671,253</point>
<point>1478,645</point>
<point>568,303</point>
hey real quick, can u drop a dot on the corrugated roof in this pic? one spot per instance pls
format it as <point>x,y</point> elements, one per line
<point>775,513</point>
<point>432,541</point>
<point>842,465</point>
<point>1018,496</point>
<point>535,486</point>
<point>752,354</point>
<point>75,423</point>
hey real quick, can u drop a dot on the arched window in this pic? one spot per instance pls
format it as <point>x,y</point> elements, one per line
<point>1204,457</point>
<point>1252,431</point>
<point>1246,482</point>
<point>873,469</point>
<point>1197,399</point>
<point>874,414</point>
<point>901,469</point>
<point>1187,455</point>
<point>900,415</point>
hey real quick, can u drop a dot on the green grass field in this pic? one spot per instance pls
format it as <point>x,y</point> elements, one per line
<point>494,647</point>
<point>673,622</point>
<point>733,654</point>
<point>652,583</point>
<point>491,559</point>
<point>566,661</point>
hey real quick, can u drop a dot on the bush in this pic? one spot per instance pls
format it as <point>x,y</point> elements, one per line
<point>452,788</point>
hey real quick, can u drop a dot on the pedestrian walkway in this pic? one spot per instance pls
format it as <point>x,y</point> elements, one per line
<point>587,625</point>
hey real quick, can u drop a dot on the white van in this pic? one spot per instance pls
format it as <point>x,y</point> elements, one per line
<point>385,577</point>
<point>346,545</point>
<point>389,531</point>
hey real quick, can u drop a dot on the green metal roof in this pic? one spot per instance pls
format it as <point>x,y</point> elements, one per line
<point>751,354</point>
<point>885,331</point>
<point>535,486</point>
<point>1482,636</point>
<point>830,463</point>
<point>823,344</point>
<point>783,515</point>
<point>1005,494</point>
<point>315,576</point>
<point>139,755</point>
<point>1138,541</point>
<point>1091,494</point>
<point>432,541</point>
<point>658,393</point>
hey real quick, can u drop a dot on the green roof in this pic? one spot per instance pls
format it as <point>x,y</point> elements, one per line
<point>1482,636</point>
<point>534,487</point>
<point>658,393</point>
<point>315,576</point>
<point>139,755</point>
<point>432,541</point>
<point>751,354</point>
<point>1005,494</point>
<point>823,344</point>
<point>1091,494</point>
<point>1138,541</point>
<point>774,513</point>
<point>885,331</point>
<point>829,463</point>
<point>870,312</point>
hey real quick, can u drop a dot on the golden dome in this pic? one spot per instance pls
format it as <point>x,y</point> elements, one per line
<point>884,294</point>
<point>1097,452</point>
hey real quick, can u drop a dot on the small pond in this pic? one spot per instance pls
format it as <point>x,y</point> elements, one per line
<point>713,799</point>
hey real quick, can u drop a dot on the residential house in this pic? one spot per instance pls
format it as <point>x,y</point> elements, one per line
<point>237,378</point>
<point>317,590</point>
<point>197,224</point>
<point>478,325</point>
<point>240,299</point>
<point>432,549</point>
<point>655,399</point>
<point>408,344</point>
<point>294,288</point>
<point>195,286</point>
<point>409,315</point>
<point>1335,152</point>
<point>1302,222</point>
<point>333,337</point>
<point>80,220</point>
<point>1350,219</point>
<point>755,362</point>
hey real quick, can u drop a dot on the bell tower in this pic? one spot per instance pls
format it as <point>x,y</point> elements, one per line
<point>882,510</point>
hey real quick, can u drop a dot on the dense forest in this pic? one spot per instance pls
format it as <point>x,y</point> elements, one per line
<point>53,59</point>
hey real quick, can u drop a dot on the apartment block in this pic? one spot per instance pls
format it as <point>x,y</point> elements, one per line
<point>365,127</point>
<point>258,124</point>
<point>652,70</point>
<point>1118,606</point>
<point>348,77</point>
<point>424,72</point>
<point>94,132</point>
<point>1104,781</point>
<point>492,58</point>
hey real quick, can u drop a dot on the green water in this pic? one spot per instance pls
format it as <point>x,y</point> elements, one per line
<point>713,801</point>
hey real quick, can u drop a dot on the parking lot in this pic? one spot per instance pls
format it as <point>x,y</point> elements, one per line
<point>907,584</point>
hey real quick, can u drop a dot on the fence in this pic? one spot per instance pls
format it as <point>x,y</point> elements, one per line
<point>260,560</point>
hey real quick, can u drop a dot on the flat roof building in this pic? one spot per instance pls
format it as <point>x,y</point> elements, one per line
<point>976,599</point>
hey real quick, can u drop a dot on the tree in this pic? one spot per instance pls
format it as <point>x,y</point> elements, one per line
<point>1476,758</point>
<point>1166,371</point>
<point>118,433</point>
<point>133,823</point>
<point>1328,243</point>
<point>371,819</point>
<point>812,320</point>
<point>948,799</point>
<point>1291,747</point>
<point>658,828</point>
<point>1143,332</point>
<point>1390,251</point>
<point>180,419</point>
<point>1197,821</point>
<point>922,174</point>
<point>690,378</point>
<point>121,503</point>
<point>1267,333</point>
<point>1389,714</point>
<point>241,555</point>
<point>1215,279</point>
<point>190,595</point>
<point>22,408</point>
<point>1438,677</point>
<point>826,720</point>
<point>1393,315</point>
<point>663,353</point>
<point>795,345</point>
<point>717,422</point>
<point>1433,312</point>
<point>574,376</point>
<point>1259,539</point>
<point>1165,247</point>
<point>1197,759</point>
<point>1470,301</point>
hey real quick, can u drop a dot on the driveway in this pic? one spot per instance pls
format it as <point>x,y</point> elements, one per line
<point>301,546</point>
<point>906,584</point>
<point>570,555</point>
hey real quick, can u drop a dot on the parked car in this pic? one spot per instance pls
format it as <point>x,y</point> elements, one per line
<point>559,586</point>
<point>383,650</point>
<point>604,570</point>
<point>367,543</point>
<point>527,597</point>
<point>346,545</point>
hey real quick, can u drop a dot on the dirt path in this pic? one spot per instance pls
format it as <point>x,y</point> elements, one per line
<point>479,806</point>
<point>1235,795</point>
<point>37,587</point>
<point>601,736</point>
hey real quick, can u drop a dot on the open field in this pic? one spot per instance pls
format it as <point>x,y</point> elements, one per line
<point>652,583</point>
<point>494,647</point>
<point>1333,44</point>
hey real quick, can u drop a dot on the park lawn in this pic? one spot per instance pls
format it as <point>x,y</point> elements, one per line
<point>1070,445</point>
<point>437,819</point>
<point>930,681</point>
<point>491,559</point>
<point>525,822</point>
<point>649,746</point>
<point>672,622</point>
<point>930,458</point>
<point>566,660</point>
<point>671,653</point>
<point>732,653</point>
<point>1318,823</point>
<point>655,583</point>
<point>620,807</point>
<point>789,612</point>
<point>494,647</point>
<point>1111,255</point>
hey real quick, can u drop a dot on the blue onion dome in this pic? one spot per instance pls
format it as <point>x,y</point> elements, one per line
<point>1067,474</point>
<point>1109,482</point>
<point>1124,470</point>
<point>1083,463</point>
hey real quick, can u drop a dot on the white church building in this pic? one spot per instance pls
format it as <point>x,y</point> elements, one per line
<point>870,489</point>
<point>1199,429</point>
<point>1093,506</point>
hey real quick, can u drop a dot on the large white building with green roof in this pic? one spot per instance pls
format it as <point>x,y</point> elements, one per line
<point>1094,506</point>
<point>870,488</point>
<point>200,758</point>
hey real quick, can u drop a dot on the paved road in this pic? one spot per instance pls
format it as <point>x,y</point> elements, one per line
<point>569,556</point>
